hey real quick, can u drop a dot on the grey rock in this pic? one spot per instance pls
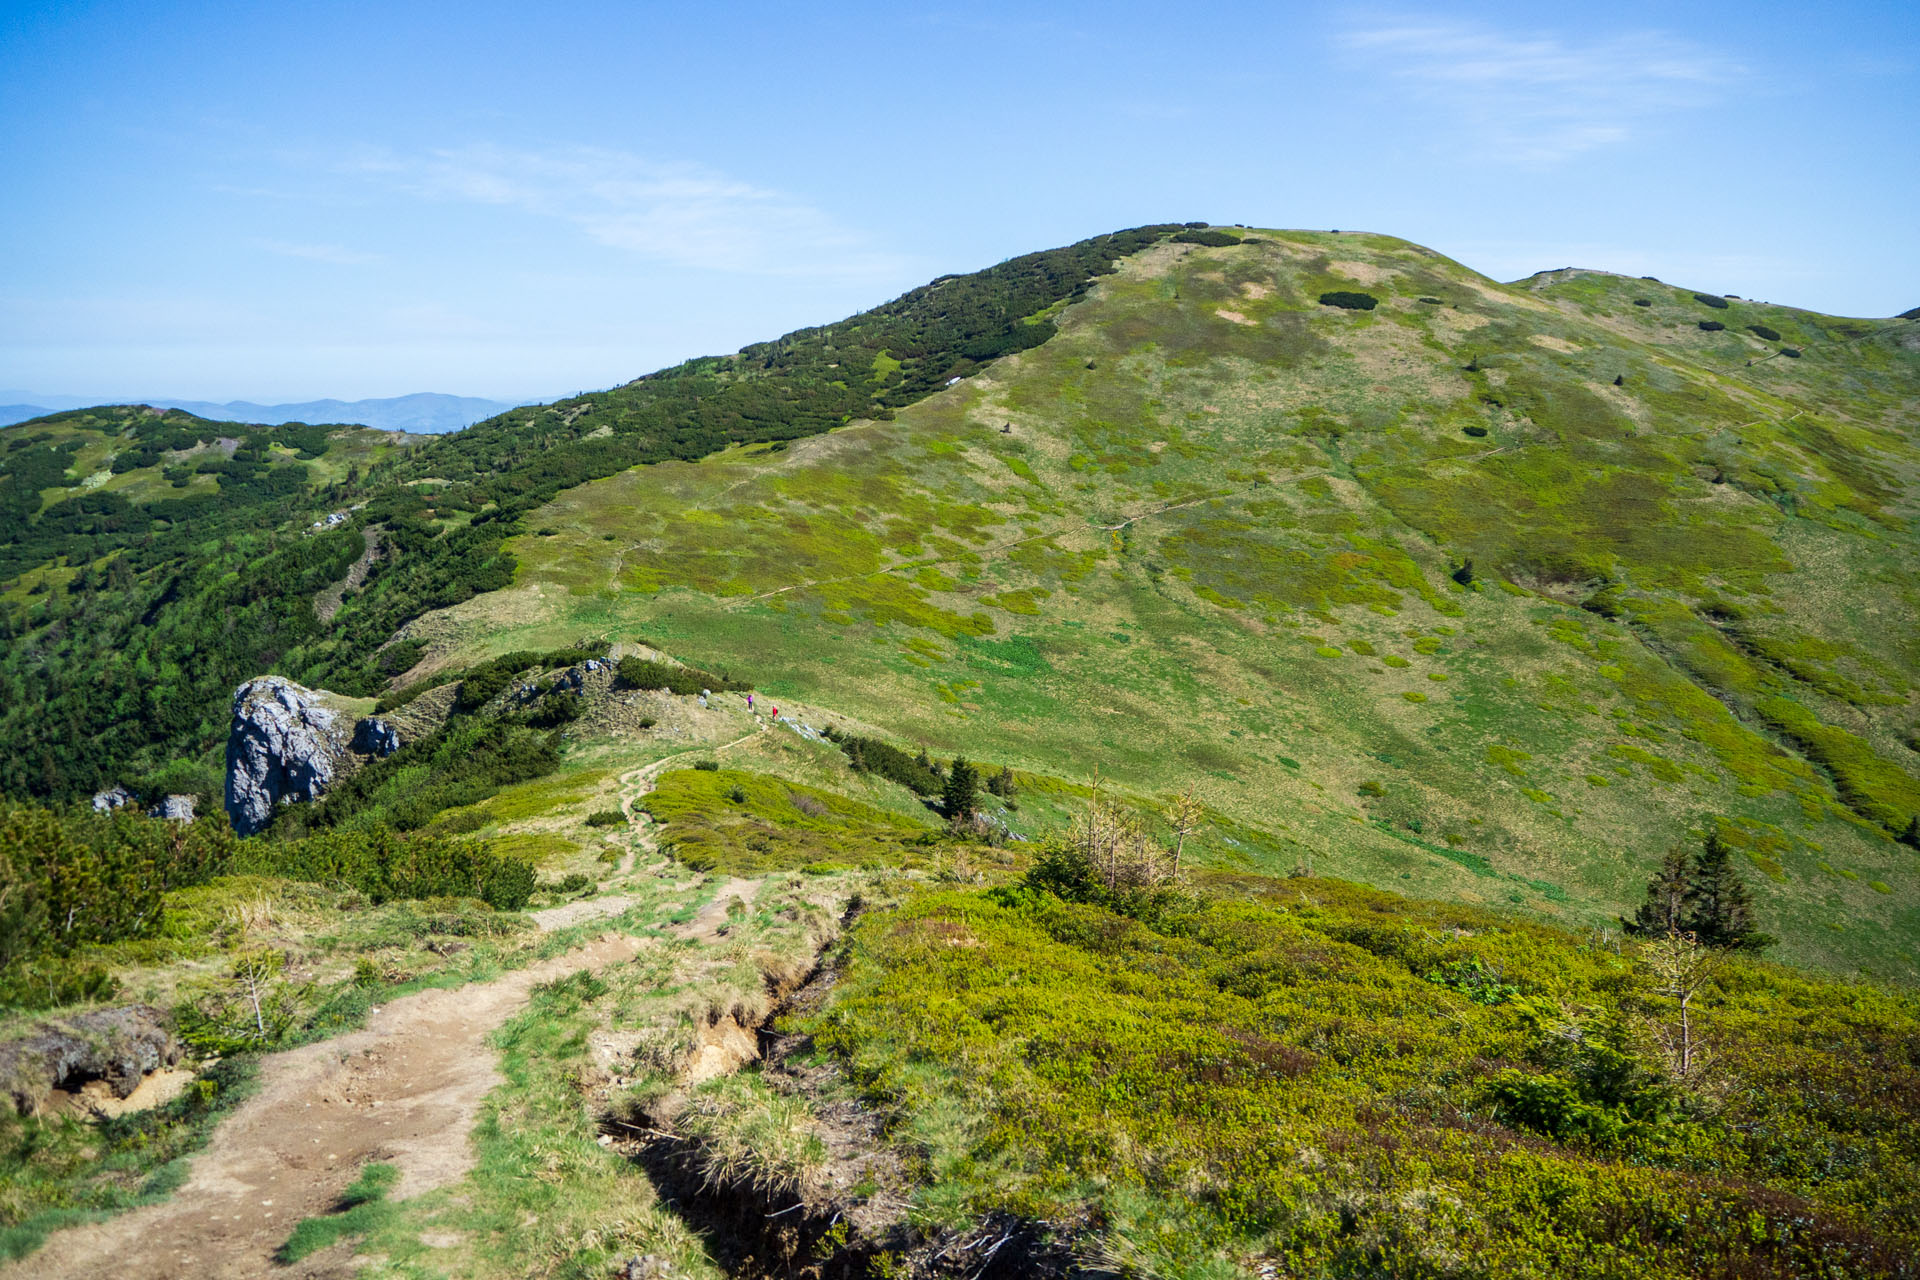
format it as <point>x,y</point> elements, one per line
<point>177,807</point>
<point>116,1045</point>
<point>574,679</point>
<point>375,737</point>
<point>287,744</point>
<point>113,798</point>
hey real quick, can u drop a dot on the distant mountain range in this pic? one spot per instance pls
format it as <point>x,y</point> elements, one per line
<point>424,412</point>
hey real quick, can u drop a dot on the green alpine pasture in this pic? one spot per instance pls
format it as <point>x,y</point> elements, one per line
<point>1492,592</point>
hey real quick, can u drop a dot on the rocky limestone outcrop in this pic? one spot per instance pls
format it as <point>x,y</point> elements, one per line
<point>113,798</point>
<point>574,679</point>
<point>288,743</point>
<point>176,808</point>
<point>375,737</point>
<point>118,1046</point>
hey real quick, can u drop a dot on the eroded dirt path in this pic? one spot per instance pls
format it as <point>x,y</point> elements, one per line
<point>406,1089</point>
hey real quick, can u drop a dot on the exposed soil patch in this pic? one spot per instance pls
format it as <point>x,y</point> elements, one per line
<point>406,1089</point>
<point>849,1219</point>
<point>573,913</point>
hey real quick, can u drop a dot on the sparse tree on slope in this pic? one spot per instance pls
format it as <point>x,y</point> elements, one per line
<point>1665,910</point>
<point>1702,896</point>
<point>1719,906</point>
<point>962,794</point>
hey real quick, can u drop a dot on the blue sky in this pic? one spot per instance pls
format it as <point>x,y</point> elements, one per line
<point>281,202</point>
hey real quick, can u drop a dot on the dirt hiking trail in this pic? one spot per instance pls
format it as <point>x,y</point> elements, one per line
<point>406,1089</point>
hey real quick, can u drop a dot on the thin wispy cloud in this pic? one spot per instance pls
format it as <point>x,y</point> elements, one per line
<point>678,213</point>
<point>339,255</point>
<point>1539,99</point>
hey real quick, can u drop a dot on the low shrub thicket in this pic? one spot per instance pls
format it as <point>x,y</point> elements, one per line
<point>1711,326</point>
<point>1211,239</point>
<point>386,864</point>
<point>72,879</point>
<point>1349,300</point>
<point>644,673</point>
<point>1764,331</point>
<point>1709,300</point>
<point>466,761</point>
<point>871,755</point>
<point>1367,1085</point>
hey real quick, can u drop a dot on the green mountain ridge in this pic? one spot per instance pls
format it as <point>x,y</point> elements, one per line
<point>1221,542</point>
<point>1490,591</point>
<point>1132,762</point>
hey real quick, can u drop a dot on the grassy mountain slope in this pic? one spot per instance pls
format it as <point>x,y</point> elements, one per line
<point>1211,531</point>
<point>123,675</point>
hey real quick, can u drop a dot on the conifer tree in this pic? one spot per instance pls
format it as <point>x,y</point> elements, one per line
<point>1719,906</point>
<point>962,794</point>
<point>1665,910</point>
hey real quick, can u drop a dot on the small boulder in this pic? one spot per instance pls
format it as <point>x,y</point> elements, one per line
<point>113,798</point>
<point>178,808</point>
<point>119,1046</point>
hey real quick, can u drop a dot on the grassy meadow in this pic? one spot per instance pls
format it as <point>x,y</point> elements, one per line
<point>1491,593</point>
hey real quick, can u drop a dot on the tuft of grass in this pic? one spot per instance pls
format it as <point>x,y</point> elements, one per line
<point>362,1208</point>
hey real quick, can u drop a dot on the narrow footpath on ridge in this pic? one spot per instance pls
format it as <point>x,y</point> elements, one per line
<point>406,1090</point>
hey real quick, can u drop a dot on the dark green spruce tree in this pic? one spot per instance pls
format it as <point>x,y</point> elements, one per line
<point>1719,905</point>
<point>1665,910</point>
<point>962,794</point>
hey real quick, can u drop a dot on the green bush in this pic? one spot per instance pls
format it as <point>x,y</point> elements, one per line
<point>482,686</point>
<point>1643,302</point>
<point>1711,326</point>
<point>1475,430</point>
<point>1763,331</point>
<point>1791,353</point>
<point>74,878</point>
<point>385,864</point>
<point>1349,301</point>
<point>871,755</point>
<point>644,673</point>
<point>1211,239</point>
<point>606,818</point>
<point>1710,300</point>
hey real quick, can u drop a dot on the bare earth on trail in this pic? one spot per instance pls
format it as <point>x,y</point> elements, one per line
<point>707,923</point>
<point>406,1089</point>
